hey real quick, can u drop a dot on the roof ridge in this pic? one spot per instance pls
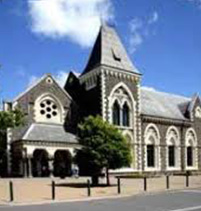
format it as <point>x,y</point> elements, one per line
<point>30,87</point>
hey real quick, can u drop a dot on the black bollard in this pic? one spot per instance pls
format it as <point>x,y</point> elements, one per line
<point>11,191</point>
<point>187,179</point>
<point>118,185</point>
<point>88,188</point>
<point>167,182</point>
<point>53,190</point>
<point>145,184</point>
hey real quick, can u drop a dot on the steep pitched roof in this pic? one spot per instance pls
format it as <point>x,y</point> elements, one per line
<point>108,50</point>
<point>44,77</point>
<point>160,104</point>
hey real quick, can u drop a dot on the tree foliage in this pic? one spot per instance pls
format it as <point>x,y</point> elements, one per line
<point>103,146</point>
<point>11,119</point>
<point>8,119</point>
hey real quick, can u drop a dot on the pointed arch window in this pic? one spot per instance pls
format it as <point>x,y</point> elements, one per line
<point>171,156</point>
<point>150,155</point>
<point>126,115</point>
<point>191,149</point>
<point>116,113</point>
<point>173,149</point>
<point>189,156</point>
<point>152,148</point>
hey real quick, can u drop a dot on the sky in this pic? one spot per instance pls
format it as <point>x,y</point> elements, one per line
<point>162,37</point>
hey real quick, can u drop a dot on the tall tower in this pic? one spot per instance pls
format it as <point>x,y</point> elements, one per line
<point>111,87</point>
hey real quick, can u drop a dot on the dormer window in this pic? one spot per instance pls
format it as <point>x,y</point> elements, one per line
<point>198,112</point>
<point>116,55</point>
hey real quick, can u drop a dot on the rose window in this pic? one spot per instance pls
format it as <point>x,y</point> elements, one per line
<point>48,109</point>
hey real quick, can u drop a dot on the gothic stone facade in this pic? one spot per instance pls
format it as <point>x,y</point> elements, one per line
<point>164,130</point>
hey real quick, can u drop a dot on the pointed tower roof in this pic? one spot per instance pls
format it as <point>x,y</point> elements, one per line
<point>108,50</point>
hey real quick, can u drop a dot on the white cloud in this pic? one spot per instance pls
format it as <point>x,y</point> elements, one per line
<point>153,18</point>
<point>197,2</point>
<point>136,37</point>
<point>33,80</point>
<point>20,71</point>
<point>139,30</point>
<point>149,88</point>
<point>77,19</point>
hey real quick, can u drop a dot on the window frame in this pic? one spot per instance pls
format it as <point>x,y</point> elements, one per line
<point>171,157</point>
<point>189,159</point>
<point>116,120</point>
<point>150,149</point>
<point>125,122</point>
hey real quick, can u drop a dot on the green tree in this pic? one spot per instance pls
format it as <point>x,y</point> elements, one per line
<point>8,119</point>
<point>11,119</point>
<point>103,147</point>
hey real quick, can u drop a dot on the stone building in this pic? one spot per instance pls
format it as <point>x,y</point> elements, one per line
<point>164,129</point>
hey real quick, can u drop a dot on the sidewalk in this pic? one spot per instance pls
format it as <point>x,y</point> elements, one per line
<point>40,190</point>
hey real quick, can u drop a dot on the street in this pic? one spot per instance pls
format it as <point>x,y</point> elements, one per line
<point>185,200</point>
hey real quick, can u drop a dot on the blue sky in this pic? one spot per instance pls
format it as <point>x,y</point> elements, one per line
<point>163,39</point>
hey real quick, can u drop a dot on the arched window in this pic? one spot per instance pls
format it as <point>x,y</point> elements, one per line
<point>173,148</point>
<point>122,106</point>
<point>189,156</point>
<point>126,115</point>
<point>48,109</point>
<point>171,154</point>
<point>191,149</point>
<point>151,153</point>
<point>152,148</point>
<point>116,113</point>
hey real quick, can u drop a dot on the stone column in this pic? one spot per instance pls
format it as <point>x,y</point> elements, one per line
<point>140,158</point>
<point>25,167</point>
<point>29,162</point>
<point>51,167</point>
<point>9,139</point>
<point>24,162</point>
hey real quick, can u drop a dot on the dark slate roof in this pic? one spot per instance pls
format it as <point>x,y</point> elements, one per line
<point>108,50</point>
<point>49,132</point>
<point>160,104</point>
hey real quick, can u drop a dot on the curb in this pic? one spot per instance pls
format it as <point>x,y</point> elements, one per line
<point>13,204</point>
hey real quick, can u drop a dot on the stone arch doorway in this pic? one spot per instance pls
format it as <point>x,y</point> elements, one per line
<point>62,163</point>
<point>40,163</point>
